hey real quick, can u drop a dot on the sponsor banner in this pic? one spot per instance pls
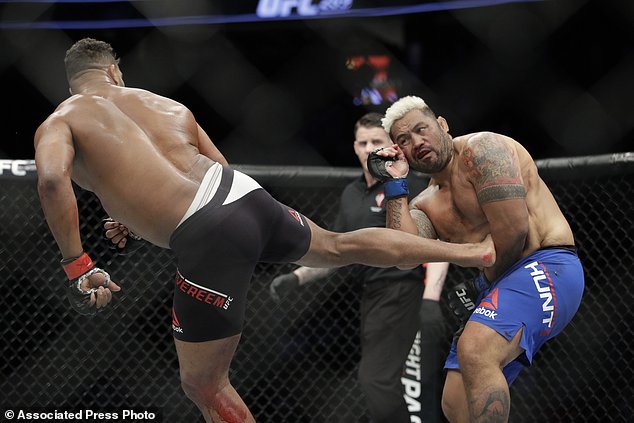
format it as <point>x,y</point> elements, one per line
<point>12,169</point>
<point>227,12</point>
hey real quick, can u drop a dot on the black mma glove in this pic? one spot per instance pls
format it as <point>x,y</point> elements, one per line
<point>462,299</point>
<point>282,285</point>
<point>78,270</point>
<point>133,242</point>
<point>392,187</point>
<point>377,167</point>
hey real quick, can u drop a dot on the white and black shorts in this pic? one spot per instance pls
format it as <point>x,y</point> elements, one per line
<point>232,225</point>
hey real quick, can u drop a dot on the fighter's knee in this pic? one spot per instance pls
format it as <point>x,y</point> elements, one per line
<point>197,389</point>
<point>453,408</point>
<point>220,400</point>
<point>471,351</point>
<point>448,407</point>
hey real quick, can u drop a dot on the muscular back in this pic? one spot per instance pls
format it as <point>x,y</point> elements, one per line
<point>451,202</point>
<point>137,151</point>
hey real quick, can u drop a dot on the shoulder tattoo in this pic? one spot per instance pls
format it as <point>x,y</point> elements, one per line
<point>493,168</point>
<point>423,223</point>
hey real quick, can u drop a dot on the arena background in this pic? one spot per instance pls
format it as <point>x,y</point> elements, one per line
<point>281,90</point>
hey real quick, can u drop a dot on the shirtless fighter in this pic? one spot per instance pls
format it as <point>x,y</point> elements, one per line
<point>157,172</point>
<point>485,183</point>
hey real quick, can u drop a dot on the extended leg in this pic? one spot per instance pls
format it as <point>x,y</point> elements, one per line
<point>381,247</point>
<point>204,370</point>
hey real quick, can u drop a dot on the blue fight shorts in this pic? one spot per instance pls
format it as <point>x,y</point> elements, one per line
<point>541,292</point>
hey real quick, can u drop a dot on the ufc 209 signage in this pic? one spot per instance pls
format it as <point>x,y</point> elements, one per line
<point>282,8</point>
<point>17,168</point>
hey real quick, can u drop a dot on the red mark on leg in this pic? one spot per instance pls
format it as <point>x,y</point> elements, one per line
<point>228,409</point>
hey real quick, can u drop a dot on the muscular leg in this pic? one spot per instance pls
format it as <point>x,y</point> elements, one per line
<point>482,353</point>
<point>381,247</point>
<point>204,370</point>
<point>454,398</point>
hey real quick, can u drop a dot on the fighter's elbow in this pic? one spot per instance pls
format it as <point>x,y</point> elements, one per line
<point>51,182</point>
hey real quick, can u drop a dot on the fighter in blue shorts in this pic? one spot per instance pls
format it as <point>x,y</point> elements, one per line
<point>485,183</point>
<point>539,294</point>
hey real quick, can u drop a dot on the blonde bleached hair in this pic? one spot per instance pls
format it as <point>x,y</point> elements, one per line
<point>401,107</point>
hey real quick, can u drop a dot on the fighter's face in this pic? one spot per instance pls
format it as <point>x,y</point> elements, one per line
<point>368,140</point>
<point>424,140</point>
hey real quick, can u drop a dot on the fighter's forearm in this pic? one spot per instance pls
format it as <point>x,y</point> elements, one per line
<point>398,216</point>
<point>60,209</point>
<point>435,275</point>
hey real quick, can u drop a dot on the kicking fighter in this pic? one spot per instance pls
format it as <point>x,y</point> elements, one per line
<point>157,172</point>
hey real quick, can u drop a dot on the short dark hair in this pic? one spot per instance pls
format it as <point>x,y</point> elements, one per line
<point>88,53</point>
<point>369,120</point>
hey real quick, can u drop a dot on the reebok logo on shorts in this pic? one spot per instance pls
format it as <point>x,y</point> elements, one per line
<point>297,216</point>
<point>176,326</point>
<point>203,294</point>
<point>488,307</point>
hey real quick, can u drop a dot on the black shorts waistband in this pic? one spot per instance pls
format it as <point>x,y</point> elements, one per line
<point>571,248</point>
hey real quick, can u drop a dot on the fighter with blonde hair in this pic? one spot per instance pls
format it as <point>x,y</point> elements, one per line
<point>485,183</point>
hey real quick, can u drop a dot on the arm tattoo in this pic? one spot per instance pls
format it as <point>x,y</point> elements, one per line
<point>394,213</point>
<point>424,225</point>
<point>494,169</point>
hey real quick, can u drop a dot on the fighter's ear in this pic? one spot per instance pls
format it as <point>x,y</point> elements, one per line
<point>443,123</point>
<point>115,74</point>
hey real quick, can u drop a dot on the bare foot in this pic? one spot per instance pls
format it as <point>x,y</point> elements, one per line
<point>480,255</point>
<point>488,255</point>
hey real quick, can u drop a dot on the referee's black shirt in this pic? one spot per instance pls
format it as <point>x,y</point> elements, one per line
<point>364,207</point>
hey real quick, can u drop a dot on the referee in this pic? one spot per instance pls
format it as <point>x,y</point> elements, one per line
<point>392,304</point>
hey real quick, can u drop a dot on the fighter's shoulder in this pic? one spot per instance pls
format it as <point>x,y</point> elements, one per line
<point>77,104</point>
<point>480,148</point>
<point>60,115</point>
<point>148,96</point>
<point>484,140</point>
<point>424,197</point>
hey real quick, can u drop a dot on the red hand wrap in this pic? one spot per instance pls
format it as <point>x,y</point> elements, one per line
<point>78,267</point>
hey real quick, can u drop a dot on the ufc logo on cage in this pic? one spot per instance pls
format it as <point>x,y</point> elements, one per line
<point>284,8</point>
<point>16,167</point>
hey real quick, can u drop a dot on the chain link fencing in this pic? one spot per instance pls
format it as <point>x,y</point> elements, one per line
<point>297,361</point>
